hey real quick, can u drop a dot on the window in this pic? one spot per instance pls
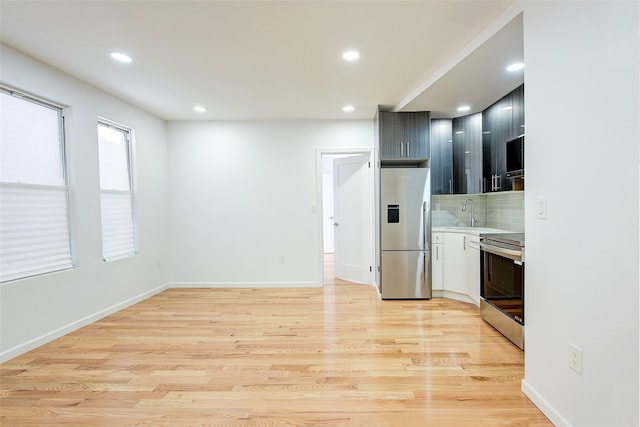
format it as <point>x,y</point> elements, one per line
<point>116,191</point>
<point>34,206</point>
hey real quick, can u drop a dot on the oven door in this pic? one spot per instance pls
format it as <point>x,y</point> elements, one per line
<point>502,283</point>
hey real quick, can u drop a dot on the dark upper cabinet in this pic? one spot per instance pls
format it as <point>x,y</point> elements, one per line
<point>441,156</point>
<point>467,154</point>
<point>518,111</point>
<point>502,121</point>
<point>403,137</point>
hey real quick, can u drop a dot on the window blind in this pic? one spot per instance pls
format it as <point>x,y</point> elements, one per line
<point>116,195</point>
<point>34,208</point>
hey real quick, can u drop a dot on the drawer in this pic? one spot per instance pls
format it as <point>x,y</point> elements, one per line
<point>436,237</point>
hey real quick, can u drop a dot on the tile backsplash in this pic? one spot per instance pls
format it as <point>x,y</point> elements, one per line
<point>495,210</point>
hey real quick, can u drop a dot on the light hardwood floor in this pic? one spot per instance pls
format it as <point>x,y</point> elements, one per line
<point>331,356</point>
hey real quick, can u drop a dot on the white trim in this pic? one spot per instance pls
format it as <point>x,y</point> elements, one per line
<point>545,407</point>
<point>23,94</point>
<point>241,285</point>
<point>73,326</point>
<point>454,296</point>
<point>319,205</point>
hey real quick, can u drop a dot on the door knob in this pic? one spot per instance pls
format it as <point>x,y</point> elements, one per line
<point>335,224</point>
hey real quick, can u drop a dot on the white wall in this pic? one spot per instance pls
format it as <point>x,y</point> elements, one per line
<point>36,310</point>
<point>582,113</point>
<point>242,194</point>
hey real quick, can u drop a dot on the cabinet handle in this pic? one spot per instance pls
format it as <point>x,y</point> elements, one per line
<point>450,187</point>
<point>408,149</point>
<point>464,243</point>
<point>498,182</point>
<point>437,252</point>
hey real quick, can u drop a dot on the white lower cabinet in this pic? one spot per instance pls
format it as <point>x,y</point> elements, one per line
<point>436,262</point>
<point>472,266</point>
<point>460,266</point>
<point>453,260</point>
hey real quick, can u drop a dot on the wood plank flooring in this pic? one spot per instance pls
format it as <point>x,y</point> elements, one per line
<point>331,356</point>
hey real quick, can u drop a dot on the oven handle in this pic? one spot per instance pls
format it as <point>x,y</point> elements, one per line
<point>508,253</point>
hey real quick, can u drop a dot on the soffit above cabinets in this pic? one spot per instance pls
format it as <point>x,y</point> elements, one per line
<point>479,79</point>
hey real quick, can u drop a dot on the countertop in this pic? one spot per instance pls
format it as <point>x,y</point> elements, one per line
<point>468,230</point>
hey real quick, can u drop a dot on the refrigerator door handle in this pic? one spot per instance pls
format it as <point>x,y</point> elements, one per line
<point>424,268</point>
<point>426,233</point>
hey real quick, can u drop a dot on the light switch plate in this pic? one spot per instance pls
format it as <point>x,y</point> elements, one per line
<point>541,208</point>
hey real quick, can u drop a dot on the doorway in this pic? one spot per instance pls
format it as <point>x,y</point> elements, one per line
<point>346,189</point>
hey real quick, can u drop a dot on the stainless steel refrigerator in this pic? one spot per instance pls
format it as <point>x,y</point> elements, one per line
<point>405,233</point>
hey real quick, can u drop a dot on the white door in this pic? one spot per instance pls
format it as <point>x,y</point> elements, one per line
<point>352,218</point>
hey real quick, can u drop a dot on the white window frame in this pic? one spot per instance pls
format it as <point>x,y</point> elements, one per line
<point>8,272</point>
<point>130,141</point>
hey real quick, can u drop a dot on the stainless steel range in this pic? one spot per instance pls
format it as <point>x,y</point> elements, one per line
<point>502,284</point>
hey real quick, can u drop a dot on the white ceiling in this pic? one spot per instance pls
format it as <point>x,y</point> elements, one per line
<point>273,59</point>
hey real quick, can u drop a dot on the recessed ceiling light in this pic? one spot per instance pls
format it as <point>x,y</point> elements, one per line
<point>348,108</point>
<point>351,55</point>
<point>516,66</point>
<point>121,57</point>
<point>464,108</point>
<point>200,109</point>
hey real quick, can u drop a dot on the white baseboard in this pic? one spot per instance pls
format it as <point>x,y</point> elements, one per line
<point>547,409</point>
<point>244,285</point>
<point>454,296</point>
<point>57,333</point>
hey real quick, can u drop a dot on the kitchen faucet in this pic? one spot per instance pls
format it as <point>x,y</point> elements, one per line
<point>474,221</point>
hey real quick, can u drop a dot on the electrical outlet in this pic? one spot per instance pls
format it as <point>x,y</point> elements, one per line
<point>575,358</point>
<point>281,259</point>
<point>157,262</point>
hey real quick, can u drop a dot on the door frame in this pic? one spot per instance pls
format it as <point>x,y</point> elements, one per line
<point>320,209</point>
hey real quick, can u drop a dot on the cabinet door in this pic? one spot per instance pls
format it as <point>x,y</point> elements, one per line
<point>499,120</point>
<point>441,156</point>
<point>390,132</point>
<point>518,112</point>
<point>436,267</point>
<point>458,149</point>
<point>467,154</point>
<point>473,153</point>
<point>502,132</point>
<point>472,266</point>
<point>416,134</point>
<point>487,171</point>
<point>453,263</point>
